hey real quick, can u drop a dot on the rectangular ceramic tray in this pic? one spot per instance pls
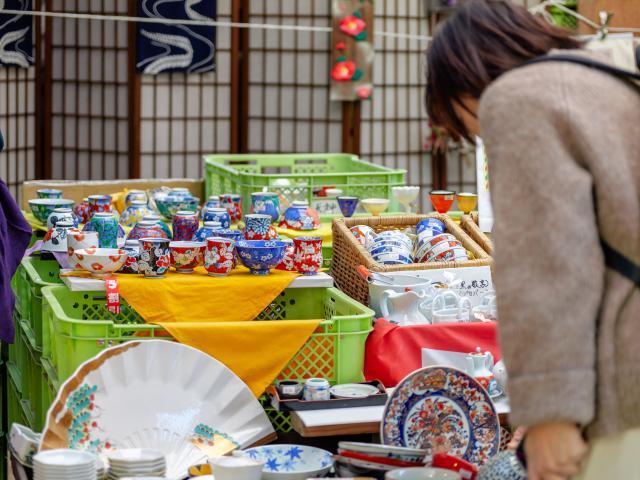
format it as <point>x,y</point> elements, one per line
<point>296,404</point>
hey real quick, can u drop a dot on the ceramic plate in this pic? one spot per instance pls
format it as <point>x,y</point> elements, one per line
<point>160,395</point>
<point>442,409</point>
<point>353,390</point>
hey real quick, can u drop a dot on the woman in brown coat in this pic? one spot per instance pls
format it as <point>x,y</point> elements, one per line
<point>563,142</point>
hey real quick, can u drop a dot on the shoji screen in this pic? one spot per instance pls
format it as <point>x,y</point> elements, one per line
<point>88,92</point>
<point>289,107</point>
<point>185,116</point>
<point>18,124</point>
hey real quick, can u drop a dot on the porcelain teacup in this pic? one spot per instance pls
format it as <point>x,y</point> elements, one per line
<point>449,307</point>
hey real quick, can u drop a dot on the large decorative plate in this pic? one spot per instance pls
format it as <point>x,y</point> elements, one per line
<point>156,394</point>
<point>442,409</point>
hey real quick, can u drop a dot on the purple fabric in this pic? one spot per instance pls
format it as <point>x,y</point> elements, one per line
<point>63,259</point>
<point>36,247</point>
<point>15,235</point>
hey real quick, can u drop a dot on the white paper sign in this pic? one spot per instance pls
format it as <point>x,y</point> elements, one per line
<point>485,212</point>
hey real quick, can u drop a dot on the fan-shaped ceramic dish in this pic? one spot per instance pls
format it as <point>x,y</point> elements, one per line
<point>159,395</point>
<point>291,462</point>
<point>442,408</point>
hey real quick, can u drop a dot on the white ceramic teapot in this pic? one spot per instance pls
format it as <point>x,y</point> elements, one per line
<point>479,366</point>
<point>404,308</point>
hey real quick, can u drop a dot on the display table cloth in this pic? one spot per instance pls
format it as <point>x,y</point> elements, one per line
<point>393,352</point>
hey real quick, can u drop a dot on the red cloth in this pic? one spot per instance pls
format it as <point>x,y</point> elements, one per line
<point>393,352</point>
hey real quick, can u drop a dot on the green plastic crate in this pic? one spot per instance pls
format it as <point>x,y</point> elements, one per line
<point>34,275</point>
<point>245,174</point>
<point>18,410</point>
<point>18,356</point>
<point>81,327</point>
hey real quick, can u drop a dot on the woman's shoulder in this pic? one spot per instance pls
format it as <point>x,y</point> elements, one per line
<point>550,87</point>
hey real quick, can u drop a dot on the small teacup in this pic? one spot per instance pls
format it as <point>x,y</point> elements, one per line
<point>236,468</point>
<point>219,257</point>
<point>289,389</point>
<point>155,257</point>
<point>308,255</point>
<point>185,256</point>
<point>217,214</point>
<point>258,227</point>
<point>457,310</point>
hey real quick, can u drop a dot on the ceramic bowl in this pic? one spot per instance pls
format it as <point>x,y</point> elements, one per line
<point>49,193</point>
<point>364,234</point>
<point>392,259</point>
<point>185,256</point>
<point>260,256</point>
<point>291,462</point>
<point>300,216</point>
<point>375,206</point>
<point>348,205</point>
<point>43,207</point>
<point>406,194</point>
<point>386,451</point>
<point>100,261</point>
<point>430,223</point>
<point>169,205</point>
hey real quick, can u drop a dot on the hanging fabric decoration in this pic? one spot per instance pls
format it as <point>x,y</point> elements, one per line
<point>176,48</point>
<point>351,71</point>
<point>16,35</point>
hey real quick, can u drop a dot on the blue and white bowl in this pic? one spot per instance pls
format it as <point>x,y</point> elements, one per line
<point>394,235</point>
<point>260,256</point>
<point>168,206</point>
<point>291,462</point>
<point>393,259</point>
<point>430,223</point>
<point>401,250</point>
<point>43,207</point>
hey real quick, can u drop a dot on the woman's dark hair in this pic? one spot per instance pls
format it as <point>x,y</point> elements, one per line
<point>480,42</point>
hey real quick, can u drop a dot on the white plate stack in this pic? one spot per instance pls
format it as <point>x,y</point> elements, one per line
<point>64,464</point>
<point>136,462</point>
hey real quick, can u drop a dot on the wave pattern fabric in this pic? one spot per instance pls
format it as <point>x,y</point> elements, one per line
<point>16,35</point>
<point>176,48</point>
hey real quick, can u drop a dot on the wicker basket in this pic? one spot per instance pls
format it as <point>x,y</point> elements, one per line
<point>470,225</point>
<point>348,253</point>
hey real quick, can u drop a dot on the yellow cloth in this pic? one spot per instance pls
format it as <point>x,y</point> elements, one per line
<point>323,232</point>
<point>117,200</point>
<point>613,458</point>
<point>34,222</point>
<point>215,315</point>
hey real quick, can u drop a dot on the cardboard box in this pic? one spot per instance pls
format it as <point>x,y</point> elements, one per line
<point>78,189</point>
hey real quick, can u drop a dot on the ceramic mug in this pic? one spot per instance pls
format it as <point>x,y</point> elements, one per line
<point>155,257</point>
<point>219,256</point>
<point>209,229</point>
<point>77,240</point>
<point>62,215</point>
<point>233,203</point>
<point>132,247</point>
<point>185,226</point>
<point>458,310</point>
<point>49,193</point>
<point>135,196</point>
<point>266,203</point>
<point>83,211</point>
<point>307,257</point>
<point>136,210</point>
<point>107,227</point>
<point>185,256</point>
<point>258,227</point>
<point>316,389</point>
<point>288,262</point>
<point>218,214</point>
<point>99,203</point>
<point>487,311</point>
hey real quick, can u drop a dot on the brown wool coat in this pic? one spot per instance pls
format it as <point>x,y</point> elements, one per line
<point>563,143</point>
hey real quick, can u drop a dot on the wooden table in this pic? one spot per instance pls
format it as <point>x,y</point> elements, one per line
<point>354,421</point>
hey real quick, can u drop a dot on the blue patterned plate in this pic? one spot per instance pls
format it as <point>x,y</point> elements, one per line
<point>291,462</point>
<point>442,409</point>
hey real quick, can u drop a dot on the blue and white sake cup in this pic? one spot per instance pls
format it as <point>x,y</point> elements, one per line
<point>63,214</point>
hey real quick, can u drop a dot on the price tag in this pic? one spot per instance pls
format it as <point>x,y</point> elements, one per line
<point>113,295</point>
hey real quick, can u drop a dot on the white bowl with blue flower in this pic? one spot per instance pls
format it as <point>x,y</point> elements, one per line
<point>291,462</point>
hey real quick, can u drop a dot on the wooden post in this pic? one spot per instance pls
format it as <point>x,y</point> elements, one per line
<point>134,96</point>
